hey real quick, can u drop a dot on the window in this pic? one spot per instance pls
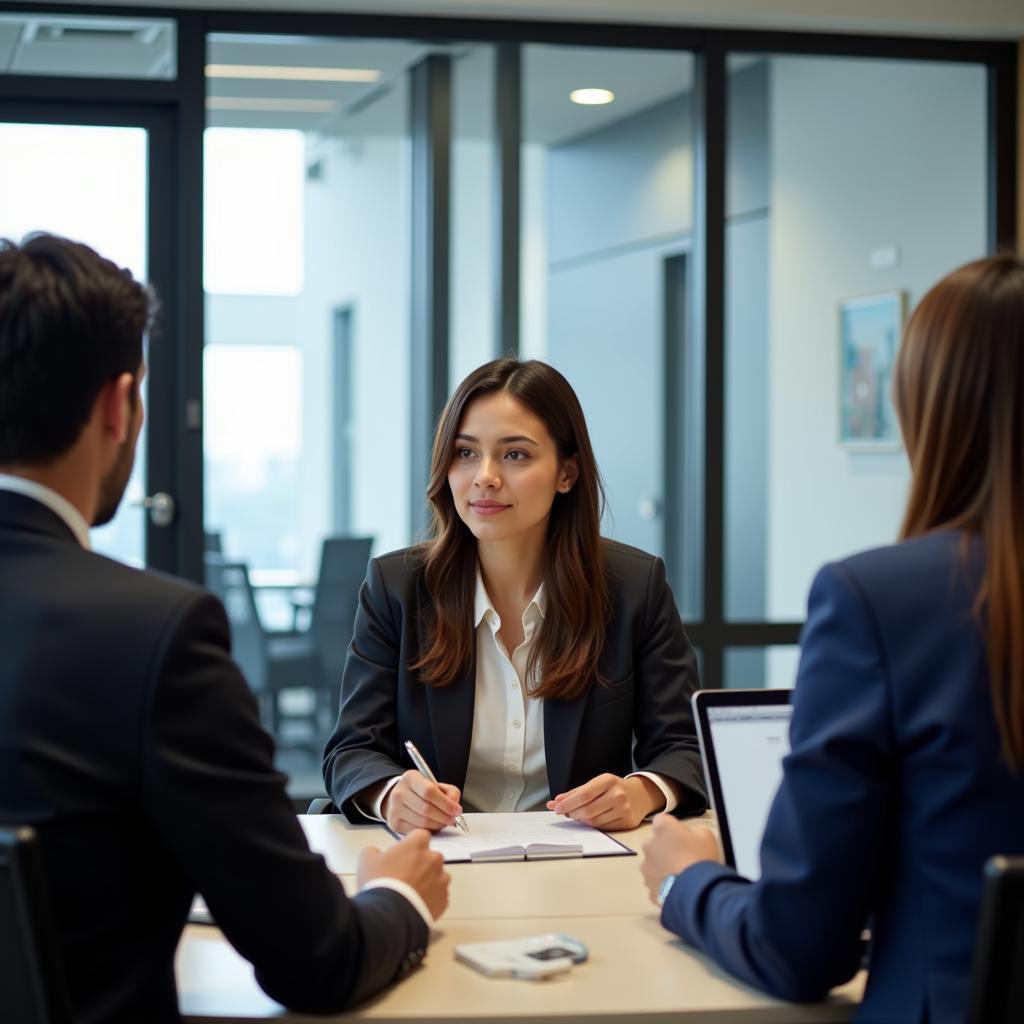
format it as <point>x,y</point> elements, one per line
<point>253,443</point>
<point>253,211</point>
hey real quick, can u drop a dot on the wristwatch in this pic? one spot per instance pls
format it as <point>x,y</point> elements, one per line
<point>664,889</point>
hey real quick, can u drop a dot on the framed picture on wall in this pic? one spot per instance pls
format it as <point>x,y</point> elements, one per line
<point>869,336</point>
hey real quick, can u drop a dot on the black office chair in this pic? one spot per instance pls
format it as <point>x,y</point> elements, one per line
<point>342,570</point>
<point>271,661</point>
<point>997,976</point>
<point>33,990</point>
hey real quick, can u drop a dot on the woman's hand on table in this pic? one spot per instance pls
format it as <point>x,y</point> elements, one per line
<point>609,802</point>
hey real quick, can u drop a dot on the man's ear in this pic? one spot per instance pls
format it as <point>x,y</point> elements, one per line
<point>569,474</point>
<point>115,404</point>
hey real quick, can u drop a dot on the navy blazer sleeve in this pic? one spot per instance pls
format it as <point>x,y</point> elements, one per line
<point>219,805</point>
<point>796,931</point>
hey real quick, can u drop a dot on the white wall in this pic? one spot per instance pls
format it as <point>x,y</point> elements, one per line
<point>863,154</point>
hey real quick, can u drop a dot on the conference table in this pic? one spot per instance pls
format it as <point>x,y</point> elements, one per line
<point>637,973</point>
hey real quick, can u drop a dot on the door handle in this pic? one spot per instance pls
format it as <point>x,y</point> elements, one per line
<point>649,508</point>
<point>161,508</point>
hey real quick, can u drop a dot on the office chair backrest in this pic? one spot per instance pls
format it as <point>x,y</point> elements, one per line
<point>230,582</point>
<point>997,977</point>
<point>32,987</point>
<point>342,569</point>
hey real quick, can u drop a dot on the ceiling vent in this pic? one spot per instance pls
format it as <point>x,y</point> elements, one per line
<point>82,46</point>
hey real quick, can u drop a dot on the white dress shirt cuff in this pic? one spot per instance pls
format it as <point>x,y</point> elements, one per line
<point>406,890</point>
<point>670,801</point>
<point>376,812</point>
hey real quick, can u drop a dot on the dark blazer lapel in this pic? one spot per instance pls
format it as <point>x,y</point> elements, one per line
<point>20,512</point>
<point>451,726</point>
<point>561,728</point>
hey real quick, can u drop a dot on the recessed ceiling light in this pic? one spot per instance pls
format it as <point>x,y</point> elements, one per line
<point>271,104</point>
<point>291,74</point>
<point>591,97</point>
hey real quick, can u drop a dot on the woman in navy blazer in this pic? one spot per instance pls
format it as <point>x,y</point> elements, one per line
<point>516,586</point>
<point>907,737</point>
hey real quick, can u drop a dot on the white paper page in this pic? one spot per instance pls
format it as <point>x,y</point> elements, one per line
<point>495,831</point>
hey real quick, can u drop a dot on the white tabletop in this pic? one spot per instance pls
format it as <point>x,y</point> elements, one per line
<point>557,888</point>
<point>637,971</point>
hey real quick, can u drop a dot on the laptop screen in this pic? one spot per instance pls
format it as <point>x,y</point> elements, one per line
<point>743,746</point>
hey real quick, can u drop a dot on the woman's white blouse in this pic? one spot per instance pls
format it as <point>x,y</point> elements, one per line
<point>507,770</point>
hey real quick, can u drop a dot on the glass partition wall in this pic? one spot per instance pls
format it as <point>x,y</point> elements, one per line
<point>607,164</point>
<point>86,182</point>
<point>85,143</point>
<point>473,227</point>
<point>715,240</point>
<point>307,345</point>
<point>306,280</point>
<point>853,185</point>
<point>307,233</point>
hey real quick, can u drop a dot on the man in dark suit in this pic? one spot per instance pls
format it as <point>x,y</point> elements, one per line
<point>128,737</point>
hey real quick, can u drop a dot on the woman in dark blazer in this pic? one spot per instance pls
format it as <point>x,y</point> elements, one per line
<point>907,737</point>
<point>533,664</point>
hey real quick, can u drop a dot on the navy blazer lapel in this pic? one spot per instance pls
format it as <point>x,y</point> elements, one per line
<point>451,726</point>
<point>562,720</point>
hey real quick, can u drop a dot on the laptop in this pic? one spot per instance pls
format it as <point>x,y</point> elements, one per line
<point>744,735</point>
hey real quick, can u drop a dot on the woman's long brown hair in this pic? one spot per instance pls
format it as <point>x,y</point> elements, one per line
<point>571,638</point>
<point>959,392</point>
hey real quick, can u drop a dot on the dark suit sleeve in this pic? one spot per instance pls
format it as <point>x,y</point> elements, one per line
<point>220,806</point>
<point>666,678</point>
<point>363,749</point>
<point>796,932</point>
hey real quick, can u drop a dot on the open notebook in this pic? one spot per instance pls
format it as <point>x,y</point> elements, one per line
<point>528,835</point>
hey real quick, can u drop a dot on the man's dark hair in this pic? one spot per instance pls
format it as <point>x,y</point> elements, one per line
<point>70,321</point>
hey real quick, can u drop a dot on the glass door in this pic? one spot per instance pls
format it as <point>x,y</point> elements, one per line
<point>94,175</point>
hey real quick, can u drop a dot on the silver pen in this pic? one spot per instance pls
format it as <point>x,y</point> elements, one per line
<point>424,769</point>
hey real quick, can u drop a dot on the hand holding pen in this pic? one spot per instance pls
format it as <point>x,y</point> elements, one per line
<point>418,800</point>
<point>424,770</point>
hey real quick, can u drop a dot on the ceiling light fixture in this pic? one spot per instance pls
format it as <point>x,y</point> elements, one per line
<point>271,104</point>
<point>591,97</point>
<point>291,74</point>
